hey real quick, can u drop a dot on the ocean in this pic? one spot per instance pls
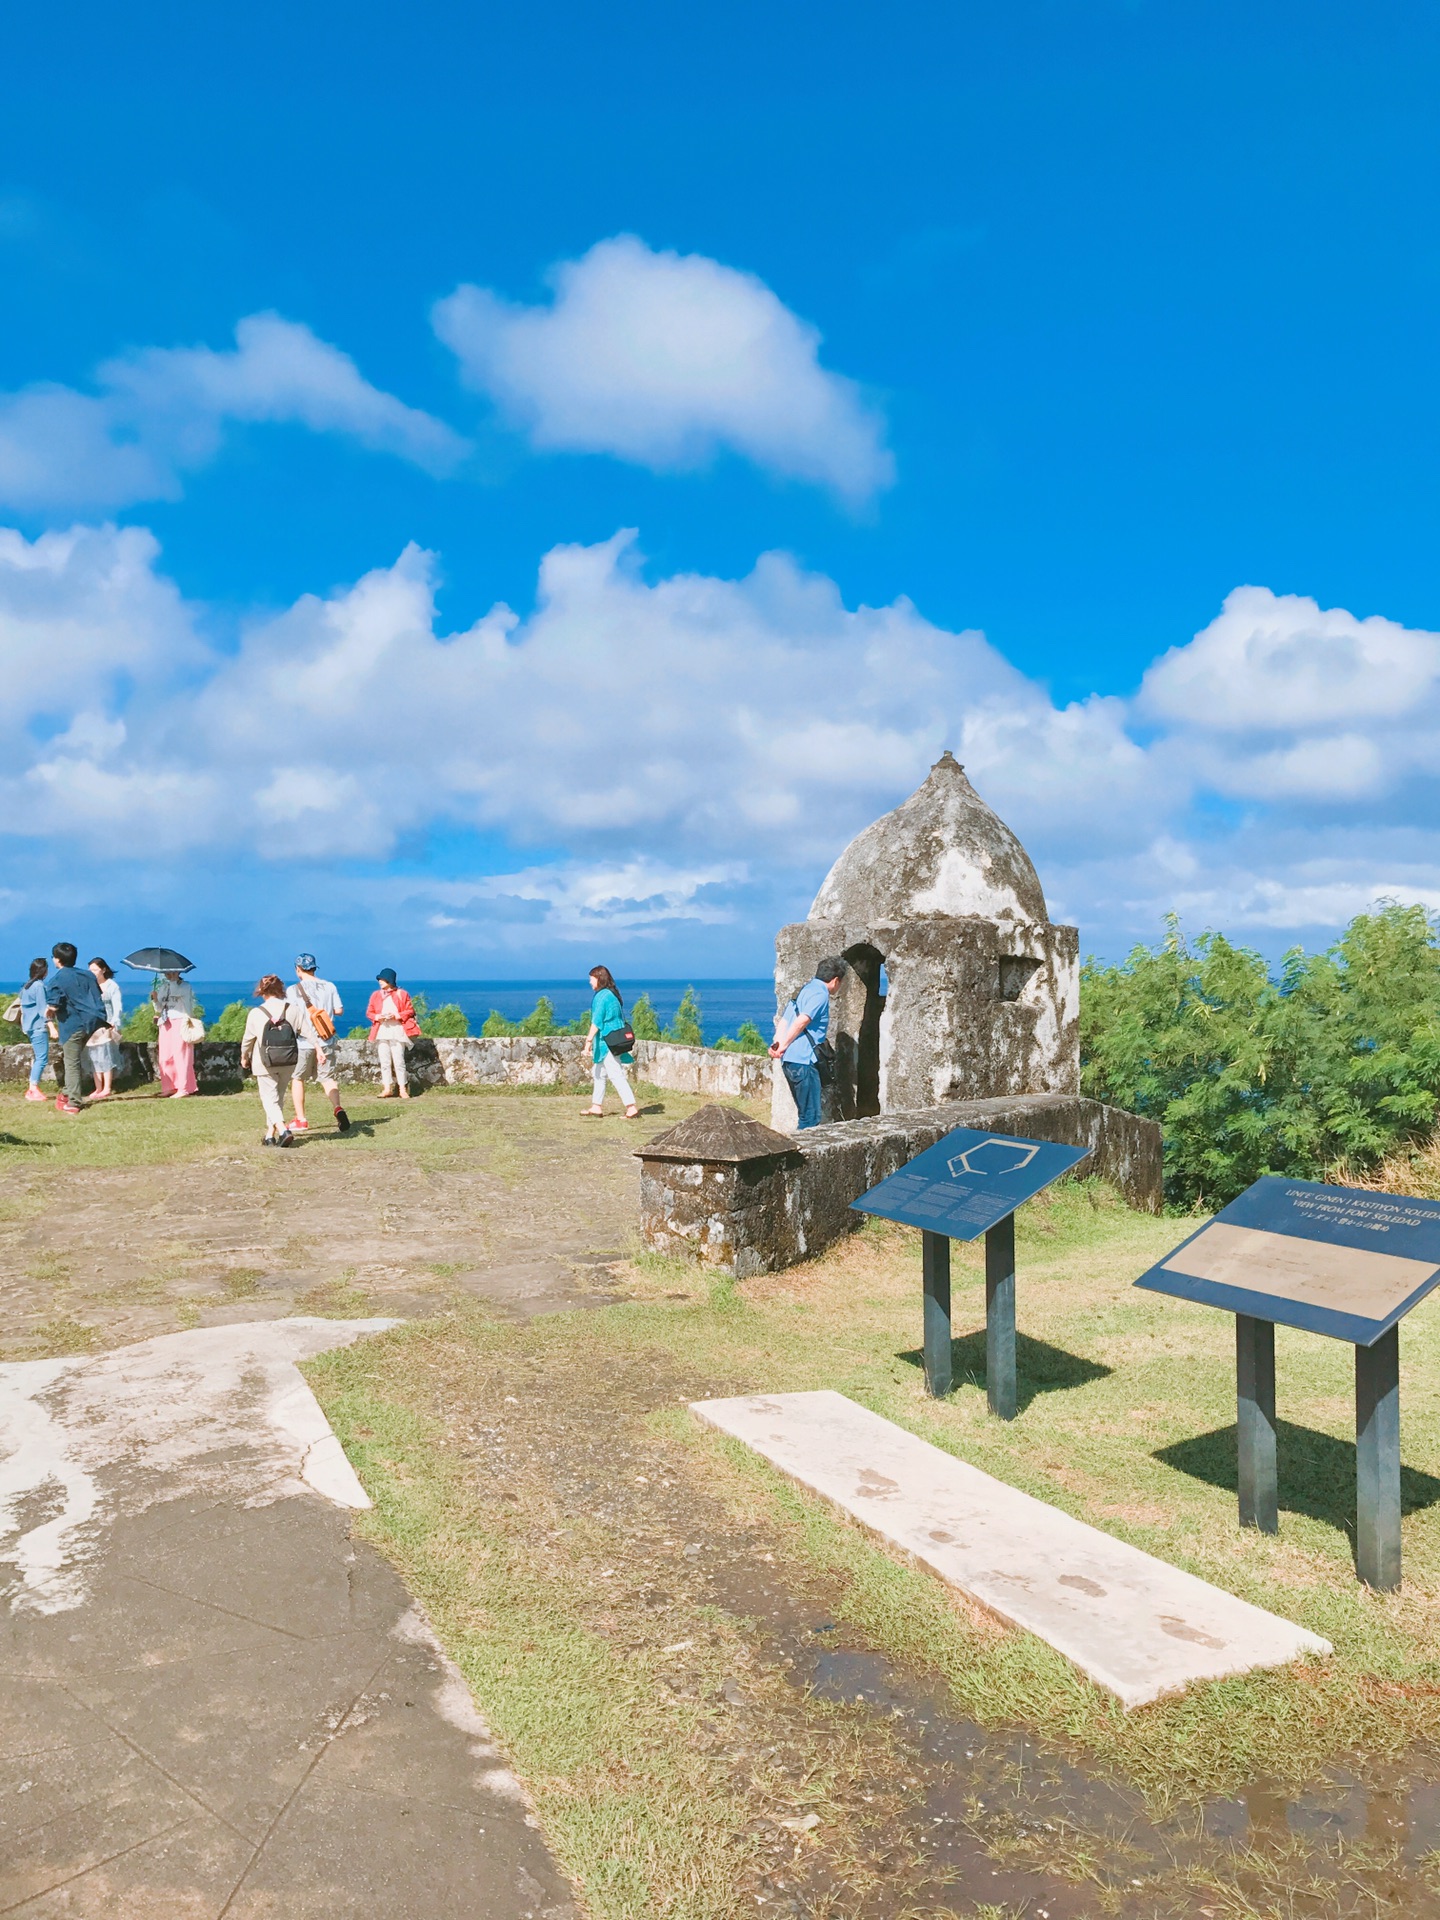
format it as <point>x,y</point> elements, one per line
<point>723,1003</point>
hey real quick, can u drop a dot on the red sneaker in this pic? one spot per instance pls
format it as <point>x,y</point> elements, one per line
<point>299,1126</point>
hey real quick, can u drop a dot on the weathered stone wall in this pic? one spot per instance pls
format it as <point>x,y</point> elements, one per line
<point>771,1211</point>
<point>523,1061</point>
<point>974,1010</point>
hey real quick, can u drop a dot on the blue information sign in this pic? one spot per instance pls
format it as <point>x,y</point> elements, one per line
<point>1335,1260</point>
<point>968,1181</point>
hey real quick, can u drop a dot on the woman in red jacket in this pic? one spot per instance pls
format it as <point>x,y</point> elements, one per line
<point>392,1027</point>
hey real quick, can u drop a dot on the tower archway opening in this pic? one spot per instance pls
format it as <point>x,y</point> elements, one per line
<point>867,987</point>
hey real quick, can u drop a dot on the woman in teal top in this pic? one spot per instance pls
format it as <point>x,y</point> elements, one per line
<point>607,1015</point>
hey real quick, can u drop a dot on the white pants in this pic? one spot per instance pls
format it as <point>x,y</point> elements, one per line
<point>272,1094</point>
<point>608,1067</point>
<point>392,1063</point>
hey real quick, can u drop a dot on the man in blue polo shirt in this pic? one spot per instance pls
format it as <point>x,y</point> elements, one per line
<point>72,997</point>
<point>801,1028</point>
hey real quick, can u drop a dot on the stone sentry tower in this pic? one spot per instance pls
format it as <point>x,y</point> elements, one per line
<point>959,986</point>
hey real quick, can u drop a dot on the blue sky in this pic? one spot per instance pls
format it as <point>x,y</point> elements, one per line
<point>505,488</point>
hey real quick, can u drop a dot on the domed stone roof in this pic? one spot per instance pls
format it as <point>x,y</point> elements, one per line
<point>942,852</point>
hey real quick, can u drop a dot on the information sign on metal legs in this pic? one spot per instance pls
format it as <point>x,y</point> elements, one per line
<point>935,1260</point>
<point>1255,1422</point>
<point>1000,1318</point>
<point>1377,1462</point>
<point>967,1184</point>
<point>1342,1261</point>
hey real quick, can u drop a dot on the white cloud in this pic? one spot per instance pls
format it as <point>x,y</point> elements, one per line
<point>639,897</point>
<point>161,412</point>
<point>1277,662</point>
<point>663,359</point>
<point>1279,699</point>
<point>83,614</point>
<point>653,758</point>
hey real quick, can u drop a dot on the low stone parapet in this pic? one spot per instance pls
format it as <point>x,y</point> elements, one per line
<point>736,1195</point>
<point>524,1060</point>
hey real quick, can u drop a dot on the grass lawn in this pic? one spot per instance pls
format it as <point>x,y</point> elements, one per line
<point>659,1627</point>
<point>539,1485</point>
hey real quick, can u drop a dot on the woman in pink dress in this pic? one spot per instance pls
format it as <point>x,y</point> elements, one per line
<point>174,1010</point>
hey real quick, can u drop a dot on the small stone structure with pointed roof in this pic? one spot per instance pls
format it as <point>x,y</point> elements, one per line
<point>959,987</point>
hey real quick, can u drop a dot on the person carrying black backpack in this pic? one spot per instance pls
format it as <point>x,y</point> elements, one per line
<point>270,1048</point>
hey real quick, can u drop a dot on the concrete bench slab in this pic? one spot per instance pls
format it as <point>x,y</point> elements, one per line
<point>1136,1625</point>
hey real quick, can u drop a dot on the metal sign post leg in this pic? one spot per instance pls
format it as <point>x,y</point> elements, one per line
<point>1377,1462</point>
<point>935,1259</point>
<point>1255,1422</point>
<point>1000,1318</point>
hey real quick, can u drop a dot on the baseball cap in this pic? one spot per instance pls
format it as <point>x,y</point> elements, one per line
<point>305,962</point>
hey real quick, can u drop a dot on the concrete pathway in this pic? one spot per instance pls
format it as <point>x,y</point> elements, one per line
<point>212,1701</point>
<point>1135,1624</point>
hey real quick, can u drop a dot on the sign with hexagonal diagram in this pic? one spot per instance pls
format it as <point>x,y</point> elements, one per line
<point>969,1181</point>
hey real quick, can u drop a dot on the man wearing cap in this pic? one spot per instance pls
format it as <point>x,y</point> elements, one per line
<point>801,1028</point>
<point>315,1015</point>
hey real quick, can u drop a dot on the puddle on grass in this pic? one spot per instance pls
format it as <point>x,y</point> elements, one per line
<point>991,1805</point>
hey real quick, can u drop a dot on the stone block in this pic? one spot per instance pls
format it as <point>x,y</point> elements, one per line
<point>775,1207</point>
<point>1135,1625</point>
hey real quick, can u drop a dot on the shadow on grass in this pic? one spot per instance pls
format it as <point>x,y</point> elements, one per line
<point>357,1129</point>
<point>1039,1367</point>
<point>1316,1472</point>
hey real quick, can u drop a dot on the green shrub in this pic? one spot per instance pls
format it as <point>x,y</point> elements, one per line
<point>141,1026</point>
<point>231,1023</point>
<point>685,1029</point>
<point>644,1022</point>
<point>446,1023</point>
<point>540,1023</point>
<point>748,1039</point>
<point>359,1033</point>
<point>1332,1064</point>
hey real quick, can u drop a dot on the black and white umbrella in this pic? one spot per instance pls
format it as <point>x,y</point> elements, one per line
<point>158,960</point>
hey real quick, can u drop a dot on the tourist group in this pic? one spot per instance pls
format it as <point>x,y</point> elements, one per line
<point>289,1037</point>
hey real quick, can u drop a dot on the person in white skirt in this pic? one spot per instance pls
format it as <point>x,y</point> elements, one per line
<point>106,1058</point>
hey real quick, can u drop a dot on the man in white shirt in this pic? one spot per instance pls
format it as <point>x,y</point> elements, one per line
<point>307,997</point>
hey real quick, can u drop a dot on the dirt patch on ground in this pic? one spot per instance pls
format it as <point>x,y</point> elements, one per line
<point>509,1198</point>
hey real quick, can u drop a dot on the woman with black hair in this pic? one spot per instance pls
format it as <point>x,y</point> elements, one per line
<point>106,1058</point>
<point>608,1025</point>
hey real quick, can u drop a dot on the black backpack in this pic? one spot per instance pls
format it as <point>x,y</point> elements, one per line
<point>279,1047</point>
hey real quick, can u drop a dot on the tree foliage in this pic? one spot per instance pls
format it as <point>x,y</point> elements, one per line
<point>748,1039</point>
<point>1330,1064</point>
<point>539,1023</point>
<point>687,1028</point>
<point>644,1021</point>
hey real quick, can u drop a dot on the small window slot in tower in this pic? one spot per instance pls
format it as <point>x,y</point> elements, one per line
<point>1016,973</point>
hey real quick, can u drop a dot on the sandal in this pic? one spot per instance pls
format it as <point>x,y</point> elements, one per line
<point>632,1113</point>
<point>592,1113</point>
